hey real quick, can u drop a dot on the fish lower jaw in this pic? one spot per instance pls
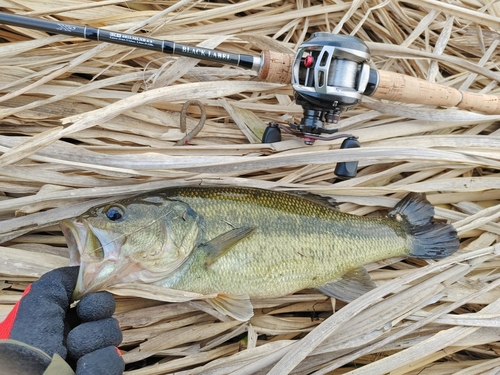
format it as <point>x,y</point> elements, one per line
<point>90,278</point>
<point>73,240</point>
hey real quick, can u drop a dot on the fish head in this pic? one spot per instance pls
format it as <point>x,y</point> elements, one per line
<point>141,239</point>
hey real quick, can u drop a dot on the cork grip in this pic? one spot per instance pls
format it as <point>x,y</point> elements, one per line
<point>276,67</point>
<point>401,88</point>
<point>489,104</point>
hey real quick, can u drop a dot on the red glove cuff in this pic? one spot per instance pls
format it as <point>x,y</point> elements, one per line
<point>8,323</point>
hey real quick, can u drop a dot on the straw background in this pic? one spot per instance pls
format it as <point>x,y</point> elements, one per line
<point>83,122</point>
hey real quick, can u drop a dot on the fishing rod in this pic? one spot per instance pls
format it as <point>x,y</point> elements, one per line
<point>329,74</point>
<point>270,66</point>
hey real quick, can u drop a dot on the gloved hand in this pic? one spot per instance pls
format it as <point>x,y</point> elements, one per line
<point>40,330</point>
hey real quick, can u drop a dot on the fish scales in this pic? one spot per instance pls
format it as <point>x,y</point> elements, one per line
<point>297,243</point>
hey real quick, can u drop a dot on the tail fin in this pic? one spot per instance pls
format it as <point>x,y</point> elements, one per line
<point>428,239</point>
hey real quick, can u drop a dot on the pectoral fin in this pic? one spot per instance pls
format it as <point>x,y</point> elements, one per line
<point>352,285</point>
<point>220,245</point>
<point>237,307</point>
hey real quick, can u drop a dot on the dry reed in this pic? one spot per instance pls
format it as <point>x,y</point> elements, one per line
<point>85,122</point>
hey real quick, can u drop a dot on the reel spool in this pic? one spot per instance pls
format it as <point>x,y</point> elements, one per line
<point>330,75</point>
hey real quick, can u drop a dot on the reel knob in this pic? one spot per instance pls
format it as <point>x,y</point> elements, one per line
<point>271,134</point>
<point>347,169</point>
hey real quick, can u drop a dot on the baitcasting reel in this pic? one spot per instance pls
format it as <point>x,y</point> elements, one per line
<point>330,75</point>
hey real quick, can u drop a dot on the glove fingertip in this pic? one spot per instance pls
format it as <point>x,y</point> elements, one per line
<point>90,336</point>
<point>105,361</point>
<point>96,306</point>
<point>65,277</point>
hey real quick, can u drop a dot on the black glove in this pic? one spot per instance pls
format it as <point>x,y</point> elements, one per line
<point>35,333</point>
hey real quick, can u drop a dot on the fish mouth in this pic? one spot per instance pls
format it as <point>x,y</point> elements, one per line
<point>73,240</point>
<point>89,249</point>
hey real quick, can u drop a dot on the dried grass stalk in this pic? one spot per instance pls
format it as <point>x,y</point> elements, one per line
<point>84,123</point>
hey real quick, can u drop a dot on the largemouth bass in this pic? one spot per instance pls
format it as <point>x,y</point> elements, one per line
<point>242,243</point>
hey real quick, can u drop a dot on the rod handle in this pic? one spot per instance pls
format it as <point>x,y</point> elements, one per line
<point>402,88</point>
<point>489,104</point>
<point>276,67</point>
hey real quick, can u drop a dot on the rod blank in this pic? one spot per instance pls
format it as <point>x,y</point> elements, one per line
<point>164,46</point>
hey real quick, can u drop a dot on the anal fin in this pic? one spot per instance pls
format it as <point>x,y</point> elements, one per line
<point>352,285</point>
<point>235,306</point>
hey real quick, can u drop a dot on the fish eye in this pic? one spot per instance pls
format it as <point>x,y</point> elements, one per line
<point>114,213</point>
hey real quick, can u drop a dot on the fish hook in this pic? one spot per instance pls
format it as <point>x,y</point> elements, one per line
<point>185,140</point>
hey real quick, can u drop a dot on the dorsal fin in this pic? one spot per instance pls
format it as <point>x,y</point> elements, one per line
<point>320,199</point>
